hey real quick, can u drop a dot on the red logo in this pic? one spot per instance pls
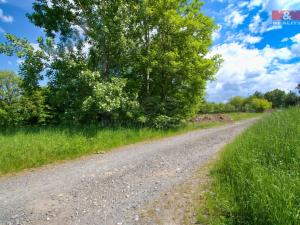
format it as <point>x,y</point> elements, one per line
<point>286,15</point>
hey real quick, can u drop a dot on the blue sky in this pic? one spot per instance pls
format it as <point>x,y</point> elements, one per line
<point>258,56</point>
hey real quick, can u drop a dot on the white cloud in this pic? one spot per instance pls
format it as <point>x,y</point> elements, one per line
<point>254,26</point>
<point>5,18</point>
<point>282,4</point>
<point>246,70</point>
<point>3,1</point>
<point>286,77</point>
<point>296,50</point>
<point>251,39</point>
<point>243,4</point>
<point>296,46</point>
<point>296,38</point>
<point>274,4</point>
<point>235,19</point>
<point>276,53</point>
<point>217,33</point>
<point>258,25</point>
<point>243,38</point>
<point>254,3</point>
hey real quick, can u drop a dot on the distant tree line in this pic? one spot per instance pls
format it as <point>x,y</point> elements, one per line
<point>110,61</point>
<point>258,102</point>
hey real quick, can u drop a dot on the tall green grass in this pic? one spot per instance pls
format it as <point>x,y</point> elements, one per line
<point>236,116</point>
<point>257,180</point>
<point>22,148</point>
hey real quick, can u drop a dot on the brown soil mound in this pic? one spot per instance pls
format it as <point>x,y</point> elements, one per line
<point>212,118</point>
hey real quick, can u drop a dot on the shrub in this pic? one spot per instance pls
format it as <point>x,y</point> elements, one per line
<point>238,102</point>
<point>258,105</point>
<point>277,97</point>
<point>166,122</point>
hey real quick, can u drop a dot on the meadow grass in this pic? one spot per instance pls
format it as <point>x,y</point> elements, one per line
<point>236,116</point>
<point>29,147</point>
<point>257,179</point>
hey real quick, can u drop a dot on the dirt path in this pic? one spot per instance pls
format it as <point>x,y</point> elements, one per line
<point>113,188</point>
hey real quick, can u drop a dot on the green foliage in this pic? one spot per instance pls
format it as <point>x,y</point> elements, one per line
<point>166,122</point>
<point>257,180</point>
<point>277,97</point>
<point>33,108</point>
<point>258,94</point>
<point>10,90</point>
<point>291,99</point>
<point>108,99</point>
<point>10,95</point>
<point>32,65</point>
<point>171,68</point>
<point>238,102</point>
<point>217,108</point>
<point>258,105</point>
<point>17,108</point>
<point>113,60</point>
<point>258,102</point>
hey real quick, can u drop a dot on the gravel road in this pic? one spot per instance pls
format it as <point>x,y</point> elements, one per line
<point>109,189</point>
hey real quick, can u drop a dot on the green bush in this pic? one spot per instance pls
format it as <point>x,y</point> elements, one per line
<point>258,105</point>
<point>166,122</point>
<point>217,108</point>
<point>17,107</point>
<point>257,180</point>
<point>238,102</point>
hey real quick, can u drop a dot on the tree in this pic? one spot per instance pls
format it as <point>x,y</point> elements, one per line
<point>298,87</point>
<point>177,37</point>
<point>291,99</point>
<point>10,95</point>
<point>100,29</point>
<point>258,94</point>
<point>277,97</point>
<point>258,105</point>
<point>17,107</point>
<point>238,102</point>
<point>10,90</point>
<point>32,66</point>
<point>157,49</point>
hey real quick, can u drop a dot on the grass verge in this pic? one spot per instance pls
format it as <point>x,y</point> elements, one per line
<point>257,179</point>
<point>23,148</point>
<point>241,116</point>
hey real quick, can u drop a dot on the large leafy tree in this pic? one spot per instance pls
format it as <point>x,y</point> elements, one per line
<point>277,97</point>
<point>10,90</point>
<point>173,70</point>
<point>32,66</point>
<point>17,107</point>
<point>97,28</point>
<point>291,99</point>
<point>151,51</point>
